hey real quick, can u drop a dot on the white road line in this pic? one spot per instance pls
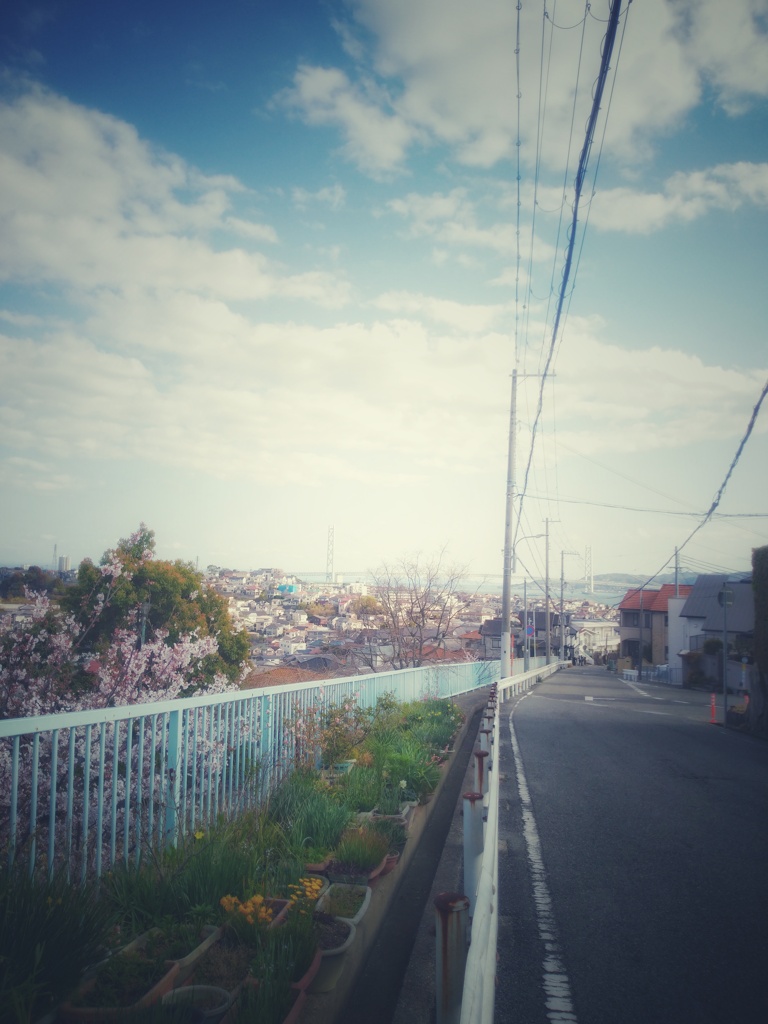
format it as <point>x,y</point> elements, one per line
<point>641,692</point>
<point>635,688</point>
<point>557,988</point>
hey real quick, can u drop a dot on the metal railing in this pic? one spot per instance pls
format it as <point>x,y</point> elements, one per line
<point>473,914</point>
<point>87,789</point>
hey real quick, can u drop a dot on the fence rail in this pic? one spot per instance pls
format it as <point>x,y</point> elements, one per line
<point>481,881</point>
<point>84,790</point>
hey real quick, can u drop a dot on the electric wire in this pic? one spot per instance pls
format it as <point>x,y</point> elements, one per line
<point>708,515</point>
<point>610,38</point>
<point>693,514</point>
<point>543,92</point>
<point>734,462</point>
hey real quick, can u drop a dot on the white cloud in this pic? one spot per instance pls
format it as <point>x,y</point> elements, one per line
<point>87,204</point>
<point>727,42</point>
<point>332,196</point>
<point>686,196</point>
<point>249,229</point>
<point>670,388</point>
<point>375,138</point>
<point>457,315</point>
<point>443,73</point>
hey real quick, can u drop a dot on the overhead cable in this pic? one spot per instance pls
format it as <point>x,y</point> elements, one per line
<point>610,38</point>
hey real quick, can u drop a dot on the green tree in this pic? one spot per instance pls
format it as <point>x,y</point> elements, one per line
<point>366,607</point>
<point>34,578</point>
<point>321,609</point>
<point>151,595</point>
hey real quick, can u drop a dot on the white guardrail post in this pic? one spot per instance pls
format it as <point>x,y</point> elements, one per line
<point>477,1002</point>
<point>451,924</point>
<point>473,813</point>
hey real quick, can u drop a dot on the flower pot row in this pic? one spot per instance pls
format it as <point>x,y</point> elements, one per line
<point>135,977</point>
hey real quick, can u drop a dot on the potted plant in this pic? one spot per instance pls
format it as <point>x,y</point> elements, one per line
<point>246,919</point>
<point>334,937</point>
<point>226,965</point>
<point>50,932</point>
<point>273,997</point>
<point>136,977</point>
<point>203,1003</point>
<point>394,831</point>
<point>359,857</point>
<point>345,901</point>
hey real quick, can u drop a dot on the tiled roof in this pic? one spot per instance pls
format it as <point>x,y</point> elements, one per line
<point>704,604</point>
<point>652,600</point>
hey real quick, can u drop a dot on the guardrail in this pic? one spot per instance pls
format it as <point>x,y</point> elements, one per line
<point>466,978</point>
<point>83,790</point>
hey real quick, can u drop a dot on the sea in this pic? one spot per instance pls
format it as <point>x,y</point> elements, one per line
<point>492,585</point>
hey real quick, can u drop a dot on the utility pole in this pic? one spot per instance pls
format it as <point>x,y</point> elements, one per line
<point>677,574</point>
<point>509,550</point>
<point>546,593</point>
<point>562,602</point>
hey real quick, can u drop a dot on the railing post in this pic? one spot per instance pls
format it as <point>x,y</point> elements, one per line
<point>473,844</point>
<point>486,735</point>
<point>481,773</point>
<point>451,918</point>
<point>173,763</point>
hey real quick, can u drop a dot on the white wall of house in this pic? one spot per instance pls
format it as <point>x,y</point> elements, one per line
<point>678,632</point>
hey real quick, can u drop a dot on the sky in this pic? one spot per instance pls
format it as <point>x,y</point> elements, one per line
<point>266,268</point>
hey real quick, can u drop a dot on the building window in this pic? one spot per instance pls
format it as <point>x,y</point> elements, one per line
<point>631,619</point>
<point>647,620</point>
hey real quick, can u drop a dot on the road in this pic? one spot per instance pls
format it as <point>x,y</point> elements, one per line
<point>633,884</point>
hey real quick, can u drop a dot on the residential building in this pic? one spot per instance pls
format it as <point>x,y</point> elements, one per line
<point>706,620</point>
<point>644,624</point>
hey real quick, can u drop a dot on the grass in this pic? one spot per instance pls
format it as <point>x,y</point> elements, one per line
<point>51,931</point>
<point>361,848</point>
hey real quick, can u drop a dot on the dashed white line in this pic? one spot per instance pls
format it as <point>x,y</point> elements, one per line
<point>557,988</point>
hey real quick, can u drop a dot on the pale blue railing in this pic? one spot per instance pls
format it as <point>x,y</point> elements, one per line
<point>86,789</point>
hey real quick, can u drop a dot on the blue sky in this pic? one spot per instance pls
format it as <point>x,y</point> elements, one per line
<point>262,271</point>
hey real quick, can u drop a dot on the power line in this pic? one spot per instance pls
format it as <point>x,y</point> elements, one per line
<point>653,511</point>
<point>610,38</point>
<point>734,461</point>
<point>721,490</point>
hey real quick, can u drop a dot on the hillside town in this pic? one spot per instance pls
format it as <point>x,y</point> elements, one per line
<point>336,628</point>
<point>300,630</point>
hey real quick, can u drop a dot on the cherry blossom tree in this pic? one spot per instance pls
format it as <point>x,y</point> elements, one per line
<point>99,652</point>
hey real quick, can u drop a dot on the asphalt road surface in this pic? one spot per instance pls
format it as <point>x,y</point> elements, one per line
<point>633,874</point>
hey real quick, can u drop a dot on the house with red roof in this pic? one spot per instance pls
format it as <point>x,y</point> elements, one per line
<point>644,623</point>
